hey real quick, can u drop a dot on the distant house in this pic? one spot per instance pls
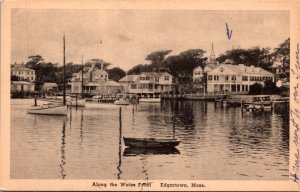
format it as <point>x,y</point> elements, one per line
<point>49,87</point>
<point>95,81</point>
<point>22,86</point>
<point>198,72</point>
<point>24,73</point>
<point>211,63</point>
<point>148,82</point>
<point>235,78</point>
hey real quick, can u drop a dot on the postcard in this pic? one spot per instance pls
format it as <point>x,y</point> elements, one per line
<point>150,95</point>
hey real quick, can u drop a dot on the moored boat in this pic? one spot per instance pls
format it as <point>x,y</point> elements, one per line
<point>121,101</point>
<point>48,109</point>
<point>150,142</point>
<point>150,100</point>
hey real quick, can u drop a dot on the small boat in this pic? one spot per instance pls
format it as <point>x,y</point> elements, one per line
<point>48,109</point>
<point>121,101</point>
<point>150,100</point>
<point>150,142</point>
<point>150,151</point>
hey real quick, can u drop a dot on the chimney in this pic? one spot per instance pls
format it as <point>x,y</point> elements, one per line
<point>102,66</point>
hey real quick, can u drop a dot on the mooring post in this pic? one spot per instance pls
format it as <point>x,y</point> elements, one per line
<point>120,119</point>
<point>76,101</point>
<point>35,102</point>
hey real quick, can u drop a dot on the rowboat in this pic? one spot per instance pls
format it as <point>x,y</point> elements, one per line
<point>150,151</point>
<point>150,142</point>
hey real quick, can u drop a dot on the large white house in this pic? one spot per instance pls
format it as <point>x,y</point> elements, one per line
<point>24,73</point>
<point>148,82</point>
<point>235,78</point>
<point>95,81</point>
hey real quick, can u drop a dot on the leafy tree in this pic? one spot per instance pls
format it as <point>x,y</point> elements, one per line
<point>255,89</point>
<point>34,61</point>
<point>270,87</point>
<point>116,73</point>
<point>282,55</point>
<point>259,57</point>
<point>156,58</point>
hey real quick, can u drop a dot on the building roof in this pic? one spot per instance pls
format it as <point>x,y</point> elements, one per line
<point>242,69</point>
<point>21,83</point>
<point>113,83</point>
<point>49,84</point>
<point>21,68</point>
<point>130,78</point>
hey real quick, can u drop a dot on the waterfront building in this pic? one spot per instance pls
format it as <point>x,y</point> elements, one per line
<point>148,82</point>
<point>22,86</point>
<point>49,87</point>
<point>235,78</point>
<point>211,63</point>
<point>24,73</point>
<point>95,81</point>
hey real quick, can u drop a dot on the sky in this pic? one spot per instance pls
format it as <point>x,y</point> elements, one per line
<point>125,37</point>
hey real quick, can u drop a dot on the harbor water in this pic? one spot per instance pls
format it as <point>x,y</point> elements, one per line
<point>217,143</point>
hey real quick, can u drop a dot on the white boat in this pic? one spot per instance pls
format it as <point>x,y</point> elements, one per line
<point>150,100</point>
<point>48,109</point>
<point>122,101</point>
<point>51,108</point>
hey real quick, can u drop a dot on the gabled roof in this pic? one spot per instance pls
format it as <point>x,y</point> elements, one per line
<point>131,78</point>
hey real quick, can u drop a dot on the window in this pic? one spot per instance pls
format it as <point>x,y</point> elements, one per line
<point>156,79</point>
<point>245,78</point>
<point>166,78</point>
<point>226,77</point>
<point>216,77</point>
<point>233,77</point>
<point>251,78</point>
<point>209,77</point>
<point>133,86</point>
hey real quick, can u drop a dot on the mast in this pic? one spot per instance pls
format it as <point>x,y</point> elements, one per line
<point>82,77</point>
<point>64,60</point>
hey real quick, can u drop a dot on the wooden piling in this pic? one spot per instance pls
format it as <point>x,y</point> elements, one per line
<point>35,102</point>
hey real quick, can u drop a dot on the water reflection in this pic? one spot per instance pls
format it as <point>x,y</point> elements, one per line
<point>62,150</point>
<point>216,143</point>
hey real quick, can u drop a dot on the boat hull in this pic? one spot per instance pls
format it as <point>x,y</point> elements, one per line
<point>150,143</point>
<point>48,110</point>
<point>150,100</point>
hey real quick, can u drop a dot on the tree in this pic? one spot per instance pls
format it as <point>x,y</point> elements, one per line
<point>135,70</point>
<point>116,73</point>
<point>156,58</point>
<point>256,56</point>
<point>270,87</point>
<point>34,61</point>
<point>185,63</point>
<point>255,89</point>
<point>282,55</point>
